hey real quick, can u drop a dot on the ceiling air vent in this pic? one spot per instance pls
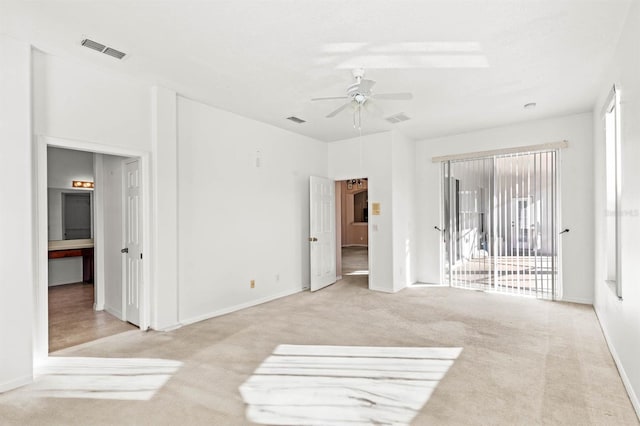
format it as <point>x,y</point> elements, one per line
<point>113,52</point>
<point>296,120</point>
<point>102,48</point>
<point>398,118</point>
<point>93,45</point>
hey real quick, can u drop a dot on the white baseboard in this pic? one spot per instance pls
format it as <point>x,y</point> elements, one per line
<point>577,300</point>
<point>240,306</point>
<point>115,312</point>
<point>623,374</point>
<point>168,328</point>
<point>15,383</point>
<point>419,284</point>
<point>98,307</point>
<point>382,290</point>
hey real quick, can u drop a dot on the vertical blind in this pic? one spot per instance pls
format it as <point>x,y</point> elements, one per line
<point>500,223</point>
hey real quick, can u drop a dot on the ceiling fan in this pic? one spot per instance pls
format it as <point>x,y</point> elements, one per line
<point>360,94</point>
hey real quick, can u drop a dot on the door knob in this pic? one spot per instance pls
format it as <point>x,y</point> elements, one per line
<point>125,250</point>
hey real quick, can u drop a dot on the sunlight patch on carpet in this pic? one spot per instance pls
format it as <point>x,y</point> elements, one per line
<point>102,378</point>
<point>337,385</point>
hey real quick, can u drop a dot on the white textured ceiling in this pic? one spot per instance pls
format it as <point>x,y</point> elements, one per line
<point>470,64</point>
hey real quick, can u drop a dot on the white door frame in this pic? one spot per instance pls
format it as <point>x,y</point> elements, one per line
<point>41,284</point>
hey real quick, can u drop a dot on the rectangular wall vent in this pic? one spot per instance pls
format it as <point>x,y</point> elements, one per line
<point>296,119</point>
<point>398,118</point>
<point>102,48</point>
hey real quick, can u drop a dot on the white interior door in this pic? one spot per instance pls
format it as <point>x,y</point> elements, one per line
<point>322,232</point>
<point>133,241</point>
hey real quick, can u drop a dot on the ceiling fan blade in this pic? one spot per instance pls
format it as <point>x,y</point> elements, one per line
<point>329,98</point>
<point>366,86</point>
<point>372,108</point>
<point>336,112</point>
<point>393,96</point>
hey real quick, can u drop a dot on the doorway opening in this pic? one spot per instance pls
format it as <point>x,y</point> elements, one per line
<point>501,224</point>
<point>352,219</point>
<point>83,288</point>
<point>76,314</point>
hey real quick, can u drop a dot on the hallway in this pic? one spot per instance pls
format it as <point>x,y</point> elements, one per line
<point>355,266</point>
<point>355,261</point>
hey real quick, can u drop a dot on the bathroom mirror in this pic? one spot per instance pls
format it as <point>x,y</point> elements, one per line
<point>70,214</point>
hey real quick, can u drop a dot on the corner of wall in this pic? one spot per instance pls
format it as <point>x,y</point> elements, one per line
<point>633,397</point>
<point>17,223</point>
<point>15,383</point>
<point>164,143</point>
<point>618,317</point>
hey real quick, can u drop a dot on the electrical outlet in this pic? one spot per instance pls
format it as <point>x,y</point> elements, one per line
<point>253,283</point>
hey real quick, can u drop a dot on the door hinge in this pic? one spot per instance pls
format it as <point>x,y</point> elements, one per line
<point>125,250</point>
<point>140,255</point>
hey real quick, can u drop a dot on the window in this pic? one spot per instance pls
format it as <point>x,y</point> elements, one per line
<point>613,178</point>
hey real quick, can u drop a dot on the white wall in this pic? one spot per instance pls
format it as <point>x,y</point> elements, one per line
<point>239,222</point>
<point>74,100</point>
<point>370,156</point>
<point>621,319</point>
<point>16,242</point>
<point>403,191</point>
<point>165,208</point>
<point>576,183</point>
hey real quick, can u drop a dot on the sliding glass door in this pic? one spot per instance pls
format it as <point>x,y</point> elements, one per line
<point>500,224</point>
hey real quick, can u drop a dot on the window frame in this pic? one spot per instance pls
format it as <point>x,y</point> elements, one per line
<point>612,106</point>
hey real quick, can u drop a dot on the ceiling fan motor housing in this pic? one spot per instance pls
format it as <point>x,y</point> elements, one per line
<point>360,98</point>
<point>361,93</point>
<point>355,94</point>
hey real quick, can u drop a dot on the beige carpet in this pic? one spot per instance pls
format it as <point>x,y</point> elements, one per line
<point>524,361</point>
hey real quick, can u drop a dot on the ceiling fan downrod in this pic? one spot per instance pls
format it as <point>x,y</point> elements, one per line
<point>359,121</point>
